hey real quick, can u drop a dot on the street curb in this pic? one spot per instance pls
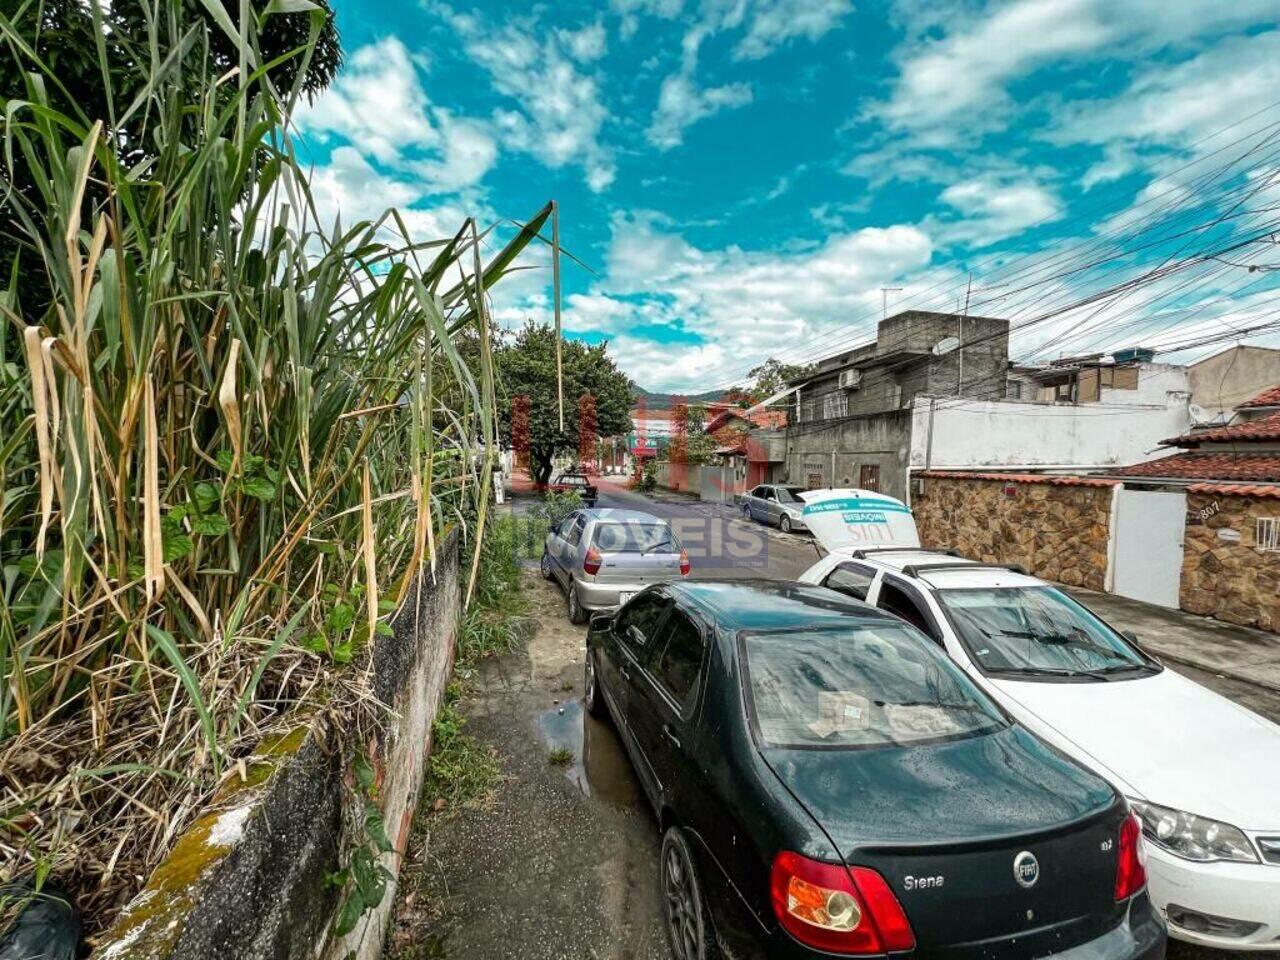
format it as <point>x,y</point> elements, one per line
<point>1215,669</point>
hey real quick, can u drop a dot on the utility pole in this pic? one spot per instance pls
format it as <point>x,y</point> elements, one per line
<point>960,359</point>
<point>884,300</point>
<point>555,283</point>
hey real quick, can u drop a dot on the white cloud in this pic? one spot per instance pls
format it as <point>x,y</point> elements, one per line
<point>558,113</point>
<point>957,84</point>
<point>992,209</point>
<point>587,44</point>
<point>745,305</point>
<point>378,106</point>
<point>468,151</point>
<point>683,103</point>
<point>951,86</point>
<point>376,103</point>
<point>1117,161</point>
<point>728,309</point>
<point>630,12</point>
<point>348,187</point>
<point>775,22</point>
<point>1177,105</point>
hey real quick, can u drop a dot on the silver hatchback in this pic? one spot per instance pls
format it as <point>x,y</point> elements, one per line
<point>602,557</point>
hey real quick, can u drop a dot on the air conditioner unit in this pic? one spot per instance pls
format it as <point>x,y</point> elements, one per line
<point>850,379</point>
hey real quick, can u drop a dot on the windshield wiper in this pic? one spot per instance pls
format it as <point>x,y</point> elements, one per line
<point>1050,672</point>
<point>661,543</point>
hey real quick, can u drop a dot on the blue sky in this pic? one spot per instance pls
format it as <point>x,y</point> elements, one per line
<point>744,177</point>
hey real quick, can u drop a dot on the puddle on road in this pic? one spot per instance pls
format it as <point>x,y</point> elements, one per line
<point>600,767</point>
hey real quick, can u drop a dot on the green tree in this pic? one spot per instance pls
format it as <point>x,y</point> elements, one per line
<point>75,38</point>
<point>526,365</point>
<point>773,376</point>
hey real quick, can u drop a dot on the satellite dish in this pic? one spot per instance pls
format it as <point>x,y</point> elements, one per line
<point>945,346</point>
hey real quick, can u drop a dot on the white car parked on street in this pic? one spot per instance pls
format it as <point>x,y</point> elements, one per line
<point>1203,773</point>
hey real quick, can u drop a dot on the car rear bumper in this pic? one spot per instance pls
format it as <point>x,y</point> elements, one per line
<point>604,596</point>
<point>1232,906</point>
<point>1139,936</point>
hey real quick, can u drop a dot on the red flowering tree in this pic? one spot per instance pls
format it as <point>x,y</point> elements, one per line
<point>678,448</point>
<point>520,429</point>
<point>586,428</point>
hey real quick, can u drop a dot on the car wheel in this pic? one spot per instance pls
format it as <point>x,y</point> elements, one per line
<point>746,512</point>
<point>592,699</point>
<point>689,928</point>
<point>546,565</point>
<point>576,613</point>
<point>785,524</point>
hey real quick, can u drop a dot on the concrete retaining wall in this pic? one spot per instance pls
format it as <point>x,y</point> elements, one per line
<point>681,477</point>
<point>248,879</point>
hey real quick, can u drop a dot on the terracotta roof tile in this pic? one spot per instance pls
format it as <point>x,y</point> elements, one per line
<point>1056,480</point>
<point>1207,466</point>
<point>1235,489</point>
<point>1267,398</point>
<point>1268,428</point>
<point>766,419</point>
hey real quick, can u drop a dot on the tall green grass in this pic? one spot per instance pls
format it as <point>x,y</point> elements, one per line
<point>227,441</point>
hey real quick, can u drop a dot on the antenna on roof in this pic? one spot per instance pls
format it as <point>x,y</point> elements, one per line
<point>884,300</point>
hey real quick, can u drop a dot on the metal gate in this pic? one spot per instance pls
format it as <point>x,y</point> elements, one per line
<point>1147,539</point>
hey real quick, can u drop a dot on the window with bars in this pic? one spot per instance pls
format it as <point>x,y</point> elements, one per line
<point>1266,533</point>
<point>869,477</point>
<point>835,405</point>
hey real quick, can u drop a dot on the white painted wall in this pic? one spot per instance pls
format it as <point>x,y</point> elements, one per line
<point>1011,433</point>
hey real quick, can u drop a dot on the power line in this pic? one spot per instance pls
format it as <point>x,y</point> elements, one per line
<point>1081,250</point>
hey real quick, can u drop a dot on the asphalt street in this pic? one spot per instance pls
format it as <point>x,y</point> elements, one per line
<point>561,861</point>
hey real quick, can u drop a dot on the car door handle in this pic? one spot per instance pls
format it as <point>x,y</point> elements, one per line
<point>670,735</point>
<point>624,673</point>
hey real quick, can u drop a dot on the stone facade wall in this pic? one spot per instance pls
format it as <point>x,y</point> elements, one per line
<point>1056,531</point>
<point>248,879</point>
<point>1224,573</point>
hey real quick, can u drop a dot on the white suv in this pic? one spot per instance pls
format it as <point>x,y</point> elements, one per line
<point>1202,772</point>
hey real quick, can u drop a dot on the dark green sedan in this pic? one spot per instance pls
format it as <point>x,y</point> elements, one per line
<point>830,784</point>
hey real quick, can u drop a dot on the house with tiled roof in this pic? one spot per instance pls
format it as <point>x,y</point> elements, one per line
<point>1247,450</point>
<point>1196,528</point>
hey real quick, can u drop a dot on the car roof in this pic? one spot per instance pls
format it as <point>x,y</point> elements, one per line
<point>618,515</point>
<point>772,604</point>
<point>955,576</point>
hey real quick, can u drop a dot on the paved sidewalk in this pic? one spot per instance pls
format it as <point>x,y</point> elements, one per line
<point>1250,656</point>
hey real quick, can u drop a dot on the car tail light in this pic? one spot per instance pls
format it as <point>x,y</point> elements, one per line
<point>591,562</point>
<point>1131,868</point>
<point>684,563</point>
<point>828,906</point>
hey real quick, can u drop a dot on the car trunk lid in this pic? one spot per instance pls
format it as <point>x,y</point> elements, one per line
<point>845,519</point>
<point>944,823</point>
<point>636,553</point>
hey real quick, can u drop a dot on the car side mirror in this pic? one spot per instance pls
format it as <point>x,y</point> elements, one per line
<point>1130,636</point>
<point>602,622</point>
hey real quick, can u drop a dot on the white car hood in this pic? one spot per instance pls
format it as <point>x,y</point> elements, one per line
<point>1171,740</point>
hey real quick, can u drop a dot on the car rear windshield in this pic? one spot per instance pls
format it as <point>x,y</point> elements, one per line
<point>867,686</point>
<point>637,536</point>
<point>790,494</point>
<point>1036,630</point>
<point>574,481</point>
